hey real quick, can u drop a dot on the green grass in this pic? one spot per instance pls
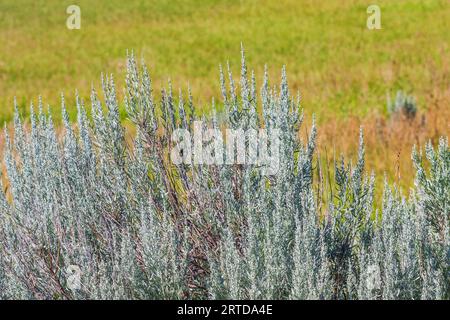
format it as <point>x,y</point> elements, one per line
<point>339,66</point>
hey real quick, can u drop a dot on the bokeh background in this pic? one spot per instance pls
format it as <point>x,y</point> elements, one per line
<point>343,70</point>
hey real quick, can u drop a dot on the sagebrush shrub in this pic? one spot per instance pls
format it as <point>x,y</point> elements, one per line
<point>141,227</point>
<point>403,105</point>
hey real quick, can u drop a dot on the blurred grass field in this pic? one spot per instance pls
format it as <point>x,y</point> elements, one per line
<point>342,69</point>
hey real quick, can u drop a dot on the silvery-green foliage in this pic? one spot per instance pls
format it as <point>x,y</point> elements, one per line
<point>349,223</point>
<point>138,226</point>
<point>399,260</point>
<point>403,104</point>
<point>432,205</point>
<point>85,201</point>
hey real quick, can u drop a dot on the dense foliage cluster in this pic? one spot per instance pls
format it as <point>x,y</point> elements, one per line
<point>139,227</point>
<point>403,105</point>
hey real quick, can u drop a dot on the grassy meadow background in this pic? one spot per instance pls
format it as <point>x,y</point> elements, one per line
<point>343,70</point>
